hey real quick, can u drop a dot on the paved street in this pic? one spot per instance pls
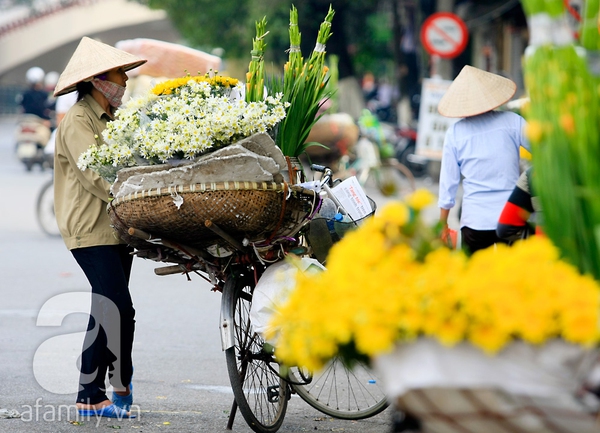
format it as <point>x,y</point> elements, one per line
<point>181,382</point>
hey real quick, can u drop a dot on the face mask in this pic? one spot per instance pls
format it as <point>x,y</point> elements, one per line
<point>112,91</point>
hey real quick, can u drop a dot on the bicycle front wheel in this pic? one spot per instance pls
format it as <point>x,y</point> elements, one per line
<point>45,210</point>
<point>340,392</point>
<point>260,392</point>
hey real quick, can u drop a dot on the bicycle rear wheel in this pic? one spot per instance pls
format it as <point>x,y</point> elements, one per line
<point>44,210</point>
<point>340,392</point>
<point>260,392</point>
<point>394,178</point>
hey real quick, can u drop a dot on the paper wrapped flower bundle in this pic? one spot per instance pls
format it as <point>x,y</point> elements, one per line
<point>180,120</point>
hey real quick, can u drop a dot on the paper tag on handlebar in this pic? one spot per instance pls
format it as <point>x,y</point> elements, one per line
<point>353,198</point>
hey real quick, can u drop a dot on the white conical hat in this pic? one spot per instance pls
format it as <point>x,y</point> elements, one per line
<point>93,58</point>
<point>475,91</point>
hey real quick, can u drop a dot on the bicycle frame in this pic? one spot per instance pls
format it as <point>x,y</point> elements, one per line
<point>261,388</point>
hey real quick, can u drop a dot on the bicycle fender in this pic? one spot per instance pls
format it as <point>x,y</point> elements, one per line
<point>226,326</point>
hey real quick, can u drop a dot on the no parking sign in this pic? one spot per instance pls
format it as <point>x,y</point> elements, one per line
<point>444,34</point>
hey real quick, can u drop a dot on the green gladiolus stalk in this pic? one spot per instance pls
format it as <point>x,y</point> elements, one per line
<point>563,126</point>
<point>293,68</point>
<point>305,88</point>
<point>532,7</point>
<point>256,75</point>
<point>589,26</point>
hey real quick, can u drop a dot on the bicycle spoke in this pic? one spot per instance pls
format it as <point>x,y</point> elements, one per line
<point>341,392</point>
<point>259,390</point>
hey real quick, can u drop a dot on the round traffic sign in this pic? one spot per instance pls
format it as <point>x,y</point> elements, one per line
<point>444,34</point>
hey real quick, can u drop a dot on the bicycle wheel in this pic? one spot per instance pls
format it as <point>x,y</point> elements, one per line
<point>260,392</point>
<point>340,392</point>
<point>45,210</point>
<point>394,178</point>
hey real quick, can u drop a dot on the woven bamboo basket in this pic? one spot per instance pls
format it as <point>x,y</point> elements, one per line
<point>524,388</point>
<point>256,211</point>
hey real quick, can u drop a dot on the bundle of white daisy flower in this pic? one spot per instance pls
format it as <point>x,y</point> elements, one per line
<point>180,119</point>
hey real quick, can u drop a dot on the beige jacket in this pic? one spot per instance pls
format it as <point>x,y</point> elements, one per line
<point>80,197</point>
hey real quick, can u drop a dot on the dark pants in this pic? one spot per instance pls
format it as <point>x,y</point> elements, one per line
<point>108,341</point>
<point>474,240</point>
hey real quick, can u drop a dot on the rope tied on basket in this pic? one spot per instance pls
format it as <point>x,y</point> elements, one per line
<point>293,171</point>
<point>286,194</point>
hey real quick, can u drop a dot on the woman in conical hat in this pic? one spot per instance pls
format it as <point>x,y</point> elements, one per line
<point>483,149</point>
<point>98,73</point>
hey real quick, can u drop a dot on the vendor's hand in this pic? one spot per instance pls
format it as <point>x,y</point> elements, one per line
<point>445,235</point>
<point>448,236</point>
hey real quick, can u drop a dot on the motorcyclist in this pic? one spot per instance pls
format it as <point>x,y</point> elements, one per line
<point>34,127</point>
<point>34,99</point>
<point>50,81</point>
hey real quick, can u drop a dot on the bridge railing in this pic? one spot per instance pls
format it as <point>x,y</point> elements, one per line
<point>41,13</point>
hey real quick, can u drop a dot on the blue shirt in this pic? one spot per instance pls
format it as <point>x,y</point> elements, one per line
<point>484,150</point>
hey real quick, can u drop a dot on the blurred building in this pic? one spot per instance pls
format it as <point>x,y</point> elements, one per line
<point>46,33</point>
<point>498,37</point>
<point>498,34</point>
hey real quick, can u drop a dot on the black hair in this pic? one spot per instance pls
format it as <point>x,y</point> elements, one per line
<point>83,88</point>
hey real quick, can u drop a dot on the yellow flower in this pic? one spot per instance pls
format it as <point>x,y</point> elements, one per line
<point>567,123</point>
<point>167,87</point>
<point>487,337</point>
<point>524,154</point>
<point>534,131</point>
<point>571,99</point>
<point>420,199</point>
<point>394,212</point>
<point>452,330</point>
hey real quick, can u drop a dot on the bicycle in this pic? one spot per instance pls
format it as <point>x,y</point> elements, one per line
<point>44,209</point>
<point>373,161</point>
<point>261,387</point>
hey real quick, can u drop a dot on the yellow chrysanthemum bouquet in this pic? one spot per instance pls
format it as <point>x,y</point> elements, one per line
<point>391,282</point>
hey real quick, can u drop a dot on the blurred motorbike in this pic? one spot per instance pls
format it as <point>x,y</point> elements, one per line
<point>402,141</point>
<point>31,135</point>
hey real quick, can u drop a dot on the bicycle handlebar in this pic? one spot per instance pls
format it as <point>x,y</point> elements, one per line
<point>327,178</point>
<point>326,183</point>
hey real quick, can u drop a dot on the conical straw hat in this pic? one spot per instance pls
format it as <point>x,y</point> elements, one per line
<point>475,91</point>
<point>93,58</point>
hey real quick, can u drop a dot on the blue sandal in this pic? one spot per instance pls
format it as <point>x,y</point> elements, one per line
<point>110,411</point>
<point>123,401</point>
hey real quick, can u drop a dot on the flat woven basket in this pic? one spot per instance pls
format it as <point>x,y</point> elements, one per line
<point>257,211</point>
